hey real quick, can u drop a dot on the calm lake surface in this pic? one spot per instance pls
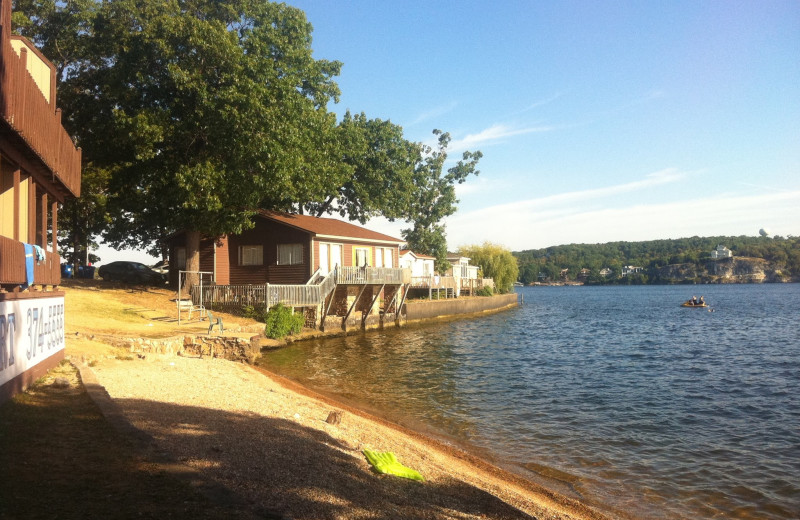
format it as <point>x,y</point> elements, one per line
<point>614,395</point>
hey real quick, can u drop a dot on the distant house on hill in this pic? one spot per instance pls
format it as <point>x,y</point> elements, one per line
<point>631,269</point>
<point>721,252</point>
<point>606,272</point>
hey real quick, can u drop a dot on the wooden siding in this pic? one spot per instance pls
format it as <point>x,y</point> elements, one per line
<point>25,110</point>
<point>269,234</point>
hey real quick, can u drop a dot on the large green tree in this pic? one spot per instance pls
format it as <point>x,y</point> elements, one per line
<point>202,110</point>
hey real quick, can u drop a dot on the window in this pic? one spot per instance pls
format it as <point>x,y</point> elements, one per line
<point>360,255</point>
<point>387,258</point>
<point>251,255</point>
<point>290,254</point>
<point>330,255</point>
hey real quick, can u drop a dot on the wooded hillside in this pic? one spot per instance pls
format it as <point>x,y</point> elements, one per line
<point>781,260</point>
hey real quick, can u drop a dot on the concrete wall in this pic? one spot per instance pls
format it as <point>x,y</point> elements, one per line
<point>440,308</point>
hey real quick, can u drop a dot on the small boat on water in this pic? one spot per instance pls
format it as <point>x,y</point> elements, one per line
<point>688,303</point>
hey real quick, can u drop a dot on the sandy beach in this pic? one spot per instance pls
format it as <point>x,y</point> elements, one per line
<point>266,441</point>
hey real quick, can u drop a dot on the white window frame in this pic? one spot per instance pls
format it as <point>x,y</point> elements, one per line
<point>251,255</point>
<point>290,254</point>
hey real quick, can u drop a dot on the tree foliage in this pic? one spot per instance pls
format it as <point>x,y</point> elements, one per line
<point>546,264</point>
<point>495,262</point>
<point>435,198</point>
<point>200,112</point>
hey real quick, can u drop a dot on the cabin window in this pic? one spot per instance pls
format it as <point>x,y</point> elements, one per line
<point>180,257</point>
<point>383,257</point>
<point>290,254</point>
<point>251,255</point>
<point>361,255</point>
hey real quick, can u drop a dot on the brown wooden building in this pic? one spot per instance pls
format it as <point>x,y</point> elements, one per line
<point>39,168</point>
<point>287,249</point>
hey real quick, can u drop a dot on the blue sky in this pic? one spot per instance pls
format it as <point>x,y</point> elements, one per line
<point>598,121</point>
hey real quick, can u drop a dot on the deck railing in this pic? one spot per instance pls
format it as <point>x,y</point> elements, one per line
<point>12,265</point>
<point>372,275</point>
<point>267,295</point>
<point>25,109</point>
<point>433,282</point>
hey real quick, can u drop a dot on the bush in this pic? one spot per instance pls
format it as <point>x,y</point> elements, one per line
<point>250,312</point>
<point>485,291</point>
<point>281,322</point>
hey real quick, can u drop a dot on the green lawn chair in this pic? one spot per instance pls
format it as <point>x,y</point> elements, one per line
<point>212,320</point>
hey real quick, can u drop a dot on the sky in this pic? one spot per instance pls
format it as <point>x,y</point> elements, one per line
<point>598,121</point>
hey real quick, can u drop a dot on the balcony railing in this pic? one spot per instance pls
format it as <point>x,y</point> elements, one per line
<point>25,109</point>
<point>12,265</point>
<point>267,295</point>
<point>372,275</point>
<point>433,282</point>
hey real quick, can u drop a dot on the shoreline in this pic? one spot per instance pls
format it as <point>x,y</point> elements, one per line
<point>201,386</point>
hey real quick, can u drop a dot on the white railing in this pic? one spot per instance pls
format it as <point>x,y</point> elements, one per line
<point>372,275</point>
<point>268,295</point>
<point>265,295</point>
<point>433,282</point>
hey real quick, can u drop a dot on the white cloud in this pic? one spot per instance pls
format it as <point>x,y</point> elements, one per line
<point>491,135</point>
<point>433,113</point>
<point>658,178</point>
<point>522,228</point>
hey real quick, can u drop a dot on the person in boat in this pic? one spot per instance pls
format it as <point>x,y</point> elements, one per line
<point>693,301</point>
<point>701,301</point>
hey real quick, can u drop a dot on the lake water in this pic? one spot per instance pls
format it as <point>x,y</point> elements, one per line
<point>614,395</point>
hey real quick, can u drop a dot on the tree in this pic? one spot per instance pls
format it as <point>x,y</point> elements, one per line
<point>435,198</point>
<point>202,111</point>
<point>495,262</point>
<point>379,165</point>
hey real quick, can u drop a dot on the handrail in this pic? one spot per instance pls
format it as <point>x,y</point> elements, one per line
<point>297,295</point>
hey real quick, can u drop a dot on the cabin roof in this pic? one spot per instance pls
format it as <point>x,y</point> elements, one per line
<point>419,256</point>
<point>323,227</point>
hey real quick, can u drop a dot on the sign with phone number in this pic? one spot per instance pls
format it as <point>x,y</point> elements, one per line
<point>31,330</point>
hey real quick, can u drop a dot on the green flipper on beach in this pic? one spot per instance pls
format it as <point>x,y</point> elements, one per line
<point>386,462</point>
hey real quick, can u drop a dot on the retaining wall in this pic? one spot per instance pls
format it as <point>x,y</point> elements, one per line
<point>441,308</point>
<point>231,348</point>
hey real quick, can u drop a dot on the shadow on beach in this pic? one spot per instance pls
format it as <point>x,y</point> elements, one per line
<point>284,470</point>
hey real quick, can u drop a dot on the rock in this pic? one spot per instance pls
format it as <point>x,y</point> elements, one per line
<point>335,418</point>
<point>61,382</point>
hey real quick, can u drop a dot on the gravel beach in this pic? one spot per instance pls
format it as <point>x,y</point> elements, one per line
<point>266,440</point>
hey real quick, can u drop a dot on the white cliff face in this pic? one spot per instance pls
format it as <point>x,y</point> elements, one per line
<point>729,270</point>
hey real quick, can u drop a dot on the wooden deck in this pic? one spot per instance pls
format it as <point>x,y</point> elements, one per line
<point>336,296</point>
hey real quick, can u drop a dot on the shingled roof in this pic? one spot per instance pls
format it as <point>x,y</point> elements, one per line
<point>329,227</point>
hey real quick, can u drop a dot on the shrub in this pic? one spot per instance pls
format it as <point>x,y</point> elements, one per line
<point>281,321</point>
<point>485,291</point>
<point>248,311</point>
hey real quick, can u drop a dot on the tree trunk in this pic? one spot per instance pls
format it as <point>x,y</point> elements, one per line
<point>192,259</point>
